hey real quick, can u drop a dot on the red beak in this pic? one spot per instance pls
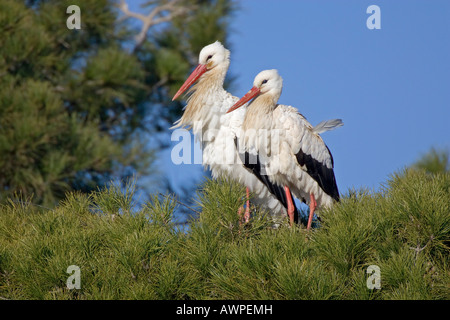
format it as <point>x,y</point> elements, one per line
<point>246,98</point>
<point>197,73</point>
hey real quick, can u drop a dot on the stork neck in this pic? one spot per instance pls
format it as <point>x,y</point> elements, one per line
<point>209,90</point>
<point>206,99</point>
<point>213,78</point>
<point>259,113</point>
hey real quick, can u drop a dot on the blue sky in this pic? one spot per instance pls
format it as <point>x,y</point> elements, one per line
<point>390,86</point>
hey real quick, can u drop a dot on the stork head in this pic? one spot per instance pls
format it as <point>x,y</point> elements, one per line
<point>212,56</point>
<point>267,82</point>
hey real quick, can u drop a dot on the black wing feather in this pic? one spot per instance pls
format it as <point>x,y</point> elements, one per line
<point>253,164</point>
<point>320,173</point>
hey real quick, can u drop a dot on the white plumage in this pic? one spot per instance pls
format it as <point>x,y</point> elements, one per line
<point>291,149</point>
<point>205,113</point>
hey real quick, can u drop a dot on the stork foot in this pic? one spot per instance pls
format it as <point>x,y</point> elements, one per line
<point>246,216</point>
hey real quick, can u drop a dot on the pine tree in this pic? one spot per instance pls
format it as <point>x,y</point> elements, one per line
<point>137,252</point>
<point>74,103</point>
<point>434,161</point>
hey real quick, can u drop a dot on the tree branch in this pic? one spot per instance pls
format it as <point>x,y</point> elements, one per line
<point>165,12</point>
<point>181,203</point>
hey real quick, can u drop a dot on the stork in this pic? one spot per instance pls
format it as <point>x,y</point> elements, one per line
<point>291,149</point>
<point>205,113</point>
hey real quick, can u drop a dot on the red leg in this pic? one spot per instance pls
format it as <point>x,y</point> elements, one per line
<point>240,211</point>
<point>312,208</point>
<point>290,204</point>
<point>247,209</point>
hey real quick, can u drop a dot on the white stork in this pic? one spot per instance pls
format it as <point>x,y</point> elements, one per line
<point>291,149</point>
<point>205,113</point>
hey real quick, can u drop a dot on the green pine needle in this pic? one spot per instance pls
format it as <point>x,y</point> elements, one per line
<point>130,252</point>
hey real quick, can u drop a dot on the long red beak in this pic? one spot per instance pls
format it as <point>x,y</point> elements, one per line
<point>246,98</point>
<point>197,73</point>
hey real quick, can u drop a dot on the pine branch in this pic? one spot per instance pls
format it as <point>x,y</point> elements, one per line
<point>181,203</point>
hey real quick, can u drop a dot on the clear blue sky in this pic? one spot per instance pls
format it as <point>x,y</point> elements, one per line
<point>390,86</point>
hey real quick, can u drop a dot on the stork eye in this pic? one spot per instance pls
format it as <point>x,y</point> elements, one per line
<point>209,57</point>
<point>264,81</point>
